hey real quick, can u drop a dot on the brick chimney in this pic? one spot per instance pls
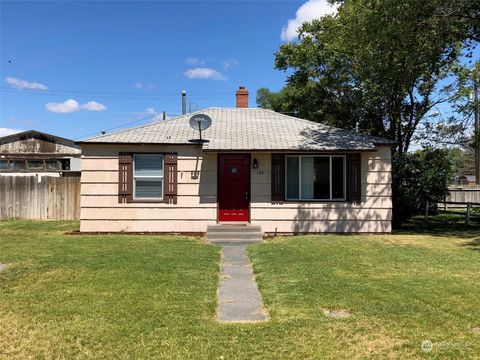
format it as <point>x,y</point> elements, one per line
<point>242,97</point>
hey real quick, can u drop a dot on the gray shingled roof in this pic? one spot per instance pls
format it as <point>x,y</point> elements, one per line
<point>245,129</point>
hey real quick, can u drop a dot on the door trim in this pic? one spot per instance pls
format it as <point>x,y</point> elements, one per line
<point>219,155</point>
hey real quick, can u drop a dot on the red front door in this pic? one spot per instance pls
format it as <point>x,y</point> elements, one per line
<point>233,187</point>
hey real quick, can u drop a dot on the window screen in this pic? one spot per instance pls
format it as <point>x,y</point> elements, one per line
<point>315,177</point>
<point>148,176</point>
<point>293,177</point>
<point>338,177</point>
<point>321,178</point>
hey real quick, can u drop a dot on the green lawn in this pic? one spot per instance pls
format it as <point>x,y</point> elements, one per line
<point>121,296</point>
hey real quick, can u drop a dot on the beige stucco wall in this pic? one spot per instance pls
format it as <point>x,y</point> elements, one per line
<point>197,187</point>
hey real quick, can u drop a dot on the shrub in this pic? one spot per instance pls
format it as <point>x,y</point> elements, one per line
<point>419,178</point>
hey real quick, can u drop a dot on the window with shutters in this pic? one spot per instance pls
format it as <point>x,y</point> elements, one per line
<point>148,176</point>
<point>315,177</point>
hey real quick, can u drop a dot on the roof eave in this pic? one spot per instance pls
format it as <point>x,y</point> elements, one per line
<point>35,133</point>
<point>343,151</point>
<point>126,143</point>
<point>391,144</point>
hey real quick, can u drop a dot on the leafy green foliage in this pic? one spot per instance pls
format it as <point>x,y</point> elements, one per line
<point>382,67</point>
<point>419,178</point>
<point>375,65</point>
<point>463,160</point>
<point>453,129</point>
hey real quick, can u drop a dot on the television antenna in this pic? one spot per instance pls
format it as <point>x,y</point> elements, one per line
<point>200,122</point>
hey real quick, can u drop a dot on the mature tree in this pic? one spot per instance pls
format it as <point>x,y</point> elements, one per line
<point>456,127</point>
<point>376,65</point>
<point>422,179</point>
<point>383,67</point>
<point>463,160</point>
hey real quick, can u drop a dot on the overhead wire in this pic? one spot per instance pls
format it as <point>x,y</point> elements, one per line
<point>112,95</point>
<point>120,126</point>
<point>109,95</point>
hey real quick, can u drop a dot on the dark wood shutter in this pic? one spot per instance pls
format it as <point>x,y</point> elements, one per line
<point>170,178</point>
<point>354,178</point>
<point>125,177</point>
<point>278,178</point>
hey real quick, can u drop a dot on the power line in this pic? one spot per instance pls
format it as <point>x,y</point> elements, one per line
<point>119,126</point>
<point>100,94</point>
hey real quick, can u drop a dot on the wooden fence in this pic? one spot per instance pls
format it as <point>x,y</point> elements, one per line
<point>44,198</point>
<point>464,195</point>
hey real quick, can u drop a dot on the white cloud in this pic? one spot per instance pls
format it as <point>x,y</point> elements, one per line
<point>140,85</point>
<point>24,84</point>
<point>71,105</point>
<point>93,106</point>
<point>312,9</point>
<point>158,115</point>
<point>204,73</point>
<point>7,131</point>
<point>67,106</point>
<point>194,61</point>
<point>228,63</point>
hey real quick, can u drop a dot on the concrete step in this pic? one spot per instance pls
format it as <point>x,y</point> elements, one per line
<point>233,241</point>
<point>223,233</point>
<point>234,234</point>
<point>233,228</point>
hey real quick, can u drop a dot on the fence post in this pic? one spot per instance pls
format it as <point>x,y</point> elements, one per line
<point>467,215</point>
<point>426,210</point>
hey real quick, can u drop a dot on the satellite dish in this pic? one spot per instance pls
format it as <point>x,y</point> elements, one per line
<point>200,122</point>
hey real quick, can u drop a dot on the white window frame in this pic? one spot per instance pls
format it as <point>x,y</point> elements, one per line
<point>329,178</point>
<point>148,178</point>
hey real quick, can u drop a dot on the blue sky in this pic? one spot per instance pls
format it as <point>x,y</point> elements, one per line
<point>119,61</point>
<point>74,68</point>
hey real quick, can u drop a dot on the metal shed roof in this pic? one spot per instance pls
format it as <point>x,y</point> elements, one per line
<point>238,129</point>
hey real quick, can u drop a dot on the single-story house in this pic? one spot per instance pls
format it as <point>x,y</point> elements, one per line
<point>285,174</point>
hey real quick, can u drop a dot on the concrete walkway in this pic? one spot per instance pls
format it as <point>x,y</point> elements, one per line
<point>238,297</point>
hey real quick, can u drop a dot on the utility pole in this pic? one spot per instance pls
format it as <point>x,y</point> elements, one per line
<point>477,126</point>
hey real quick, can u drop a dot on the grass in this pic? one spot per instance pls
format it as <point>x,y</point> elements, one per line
<point>121,296</point>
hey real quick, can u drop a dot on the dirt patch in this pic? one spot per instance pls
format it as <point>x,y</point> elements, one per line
<point>3,267</point>
<point>476,330</point>
<point>421,241</point>
<point>362,339</point>
<point>337,313</point>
